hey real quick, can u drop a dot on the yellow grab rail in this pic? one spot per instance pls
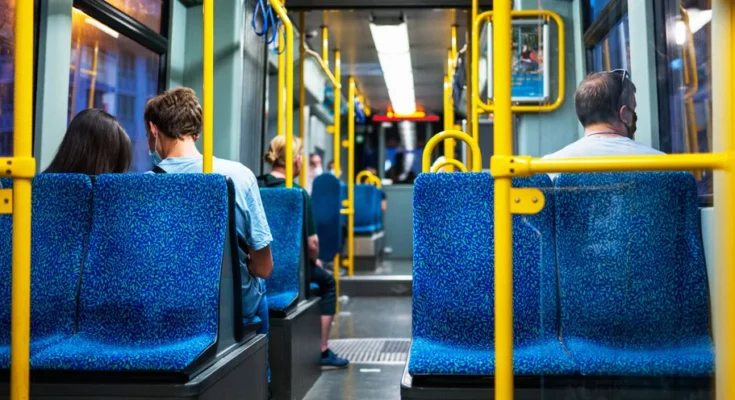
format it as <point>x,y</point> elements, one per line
<point>351,93</point>
<point>302,99</point>
<point>337,117</point>
<point>208,86</point>
<point>448,116</point>
<point>325,68</point>
<point>476,165</point>
<point>281,109</point>
<point>489,107</point>
<point>455,163</point>
<point>288,27</point>
<point>22,167</point>
<point>369,178</point>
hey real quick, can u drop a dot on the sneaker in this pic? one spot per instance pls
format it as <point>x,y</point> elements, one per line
<point>331,360</point>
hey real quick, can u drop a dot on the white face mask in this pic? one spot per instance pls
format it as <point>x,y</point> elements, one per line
<point>317,171</point>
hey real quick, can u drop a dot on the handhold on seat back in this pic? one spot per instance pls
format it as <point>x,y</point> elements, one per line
<point>61,223</point>
<point>284,209</point>
<point>327,194</point>
<point>632,268</point>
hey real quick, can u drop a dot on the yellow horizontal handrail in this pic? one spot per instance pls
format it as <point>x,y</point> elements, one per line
<point>325,68</point>
<point>452,134</point>
<point>511,166</point>
<point>446,162</point>
<point>546,14</point>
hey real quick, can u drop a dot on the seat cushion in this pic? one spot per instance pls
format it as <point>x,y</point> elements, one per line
<point>694,357</point>
<point>282,301</point>
<point>84,352</point>
<point>544,357</point>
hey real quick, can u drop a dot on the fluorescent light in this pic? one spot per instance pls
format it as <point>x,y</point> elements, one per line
<point>104,28</point>
<point>680,32</point>
<point>394,54</point>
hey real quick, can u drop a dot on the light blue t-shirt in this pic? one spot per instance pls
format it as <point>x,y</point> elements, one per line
<point>603,145</point>
<point>252,226</point>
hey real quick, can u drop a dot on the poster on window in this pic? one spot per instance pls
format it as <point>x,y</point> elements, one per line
<point>529,58</point>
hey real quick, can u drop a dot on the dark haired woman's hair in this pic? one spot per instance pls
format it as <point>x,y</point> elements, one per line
<point>95,143</point>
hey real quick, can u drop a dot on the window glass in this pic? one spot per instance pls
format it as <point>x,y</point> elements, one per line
<point>7,58</point>
<point>146,11</point>
<point>111,72</point>
<point>688,126</point>
<point>595,8</point>
<point>613,52</point>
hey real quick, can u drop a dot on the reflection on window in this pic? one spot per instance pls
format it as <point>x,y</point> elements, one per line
<point>613,52</point>
<point>7,57</point>
<point>146,11</point>
<point>111,72</point>
<point>595,8</point>
<point>688,77</point>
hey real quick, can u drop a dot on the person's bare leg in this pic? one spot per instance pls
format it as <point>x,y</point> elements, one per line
<point>326,327</point>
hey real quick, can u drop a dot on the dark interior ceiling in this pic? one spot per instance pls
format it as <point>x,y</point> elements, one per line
<point>429,35</point>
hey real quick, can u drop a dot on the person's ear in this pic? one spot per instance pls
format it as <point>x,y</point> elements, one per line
<point>623,115</point>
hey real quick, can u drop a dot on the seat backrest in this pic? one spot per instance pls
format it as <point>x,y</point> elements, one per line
<point>284,209</point>
<point>365,202</point>
<point>631,263</point>
<point>61,223</point>
<point>453,262</point>
<point>155,260</point>
<point>327,196</point>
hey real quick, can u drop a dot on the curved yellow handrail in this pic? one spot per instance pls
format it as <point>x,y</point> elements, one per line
<point>452,162</point>
<point>369,179</point>
<point>459,135</point>
<point>546,14</point>
<point>362,175</point>
<point>375,181</point>
<point>288,27</point>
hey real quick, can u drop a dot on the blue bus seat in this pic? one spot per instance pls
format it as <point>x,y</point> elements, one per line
<point>61,221</point>
<point>327,194</point>
<point>365,212</point>
<point>453,286</point>
<point>633,281</point>
<point>150,289</point>
<point>284,209</point>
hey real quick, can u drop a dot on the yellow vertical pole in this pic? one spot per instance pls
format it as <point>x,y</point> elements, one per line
<point>325,39</point>
<point>474,49</point>
<point>208,86</point>
<point>351,177</point>
<point>449,102</point>
<point>21,278</point>
<point>725,203</point>
<point>281,125</point>
<point>503,143</point>
<point>470,84</point>
<point>289,98</point>
<point>93,83</point>
<point>454,43</point>
<point>302,98</point>
<point>337,110</point>
<point>335,274</point>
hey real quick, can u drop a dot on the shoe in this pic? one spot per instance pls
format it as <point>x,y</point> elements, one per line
<point>331,360</point>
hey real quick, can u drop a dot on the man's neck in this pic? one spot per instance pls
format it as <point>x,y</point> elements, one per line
<point>602,130</point>
<point>178,148</point>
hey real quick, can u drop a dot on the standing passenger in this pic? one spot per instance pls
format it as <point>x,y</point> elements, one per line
<point>276,157</point>
<point>605,105</point>
<point>315,169</point>
<point>174,122</point>
<point>94,144</point>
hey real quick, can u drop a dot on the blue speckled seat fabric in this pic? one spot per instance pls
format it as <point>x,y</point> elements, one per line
<point>149,297</point>
<point>61,222</point>
<point>327,194</point>
<point>453,268</point>
<point>284,209</point>
<point>633,283</point>
<point>365,212</point>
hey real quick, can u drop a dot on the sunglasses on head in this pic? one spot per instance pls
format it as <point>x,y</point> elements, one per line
<point>625,75</point>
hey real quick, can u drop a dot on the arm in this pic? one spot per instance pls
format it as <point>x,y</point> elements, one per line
<point>261,262</point>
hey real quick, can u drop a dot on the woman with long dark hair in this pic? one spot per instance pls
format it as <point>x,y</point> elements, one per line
<point>95,143</point>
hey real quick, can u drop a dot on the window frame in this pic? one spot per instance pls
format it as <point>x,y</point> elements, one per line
<point>595,31</point>
<point>134,30</point>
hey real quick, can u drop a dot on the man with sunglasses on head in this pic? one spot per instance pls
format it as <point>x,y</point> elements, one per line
<point>605,105</point>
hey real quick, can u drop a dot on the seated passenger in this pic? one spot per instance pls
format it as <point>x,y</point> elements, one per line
<point>276,157</point>
<point>330,167</point>
<point>174,122</point>
<point>383,197</point>
<point>95,143</point>
<point>605,104</point>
